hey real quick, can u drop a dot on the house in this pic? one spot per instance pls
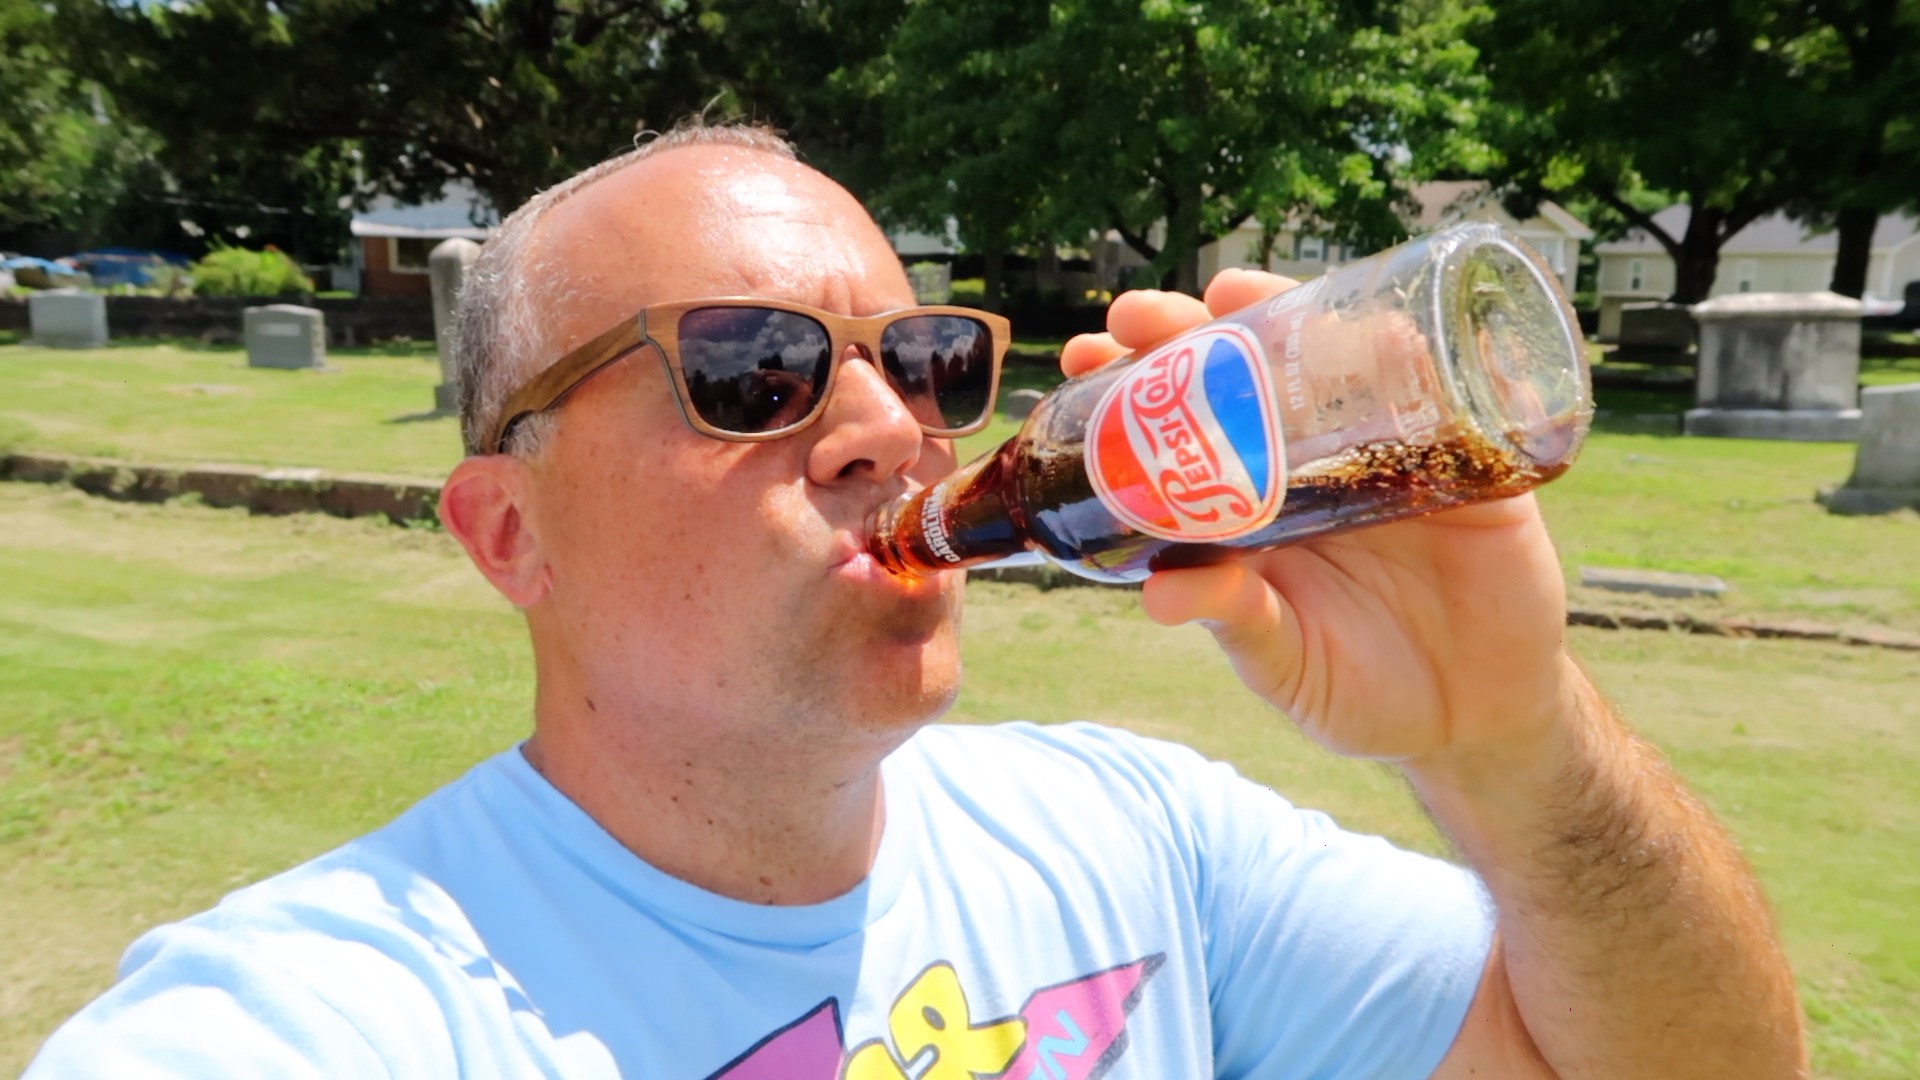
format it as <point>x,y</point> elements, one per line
<point>1774,254</point>
<point>392,240</point>
<point>1298,252</point>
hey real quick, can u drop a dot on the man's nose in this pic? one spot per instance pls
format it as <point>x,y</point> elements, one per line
<point>866,427</point>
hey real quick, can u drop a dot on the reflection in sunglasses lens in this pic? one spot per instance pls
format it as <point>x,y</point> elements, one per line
<point>752,370</point>
<point>942,366</point>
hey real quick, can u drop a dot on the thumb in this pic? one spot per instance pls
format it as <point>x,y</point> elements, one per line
<point>1253,624</point>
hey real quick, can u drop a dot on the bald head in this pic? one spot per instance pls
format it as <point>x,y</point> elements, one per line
<point>703,221</point>
<point>637,229</point>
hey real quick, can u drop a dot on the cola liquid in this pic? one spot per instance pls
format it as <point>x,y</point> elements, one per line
<point>1444,372</point>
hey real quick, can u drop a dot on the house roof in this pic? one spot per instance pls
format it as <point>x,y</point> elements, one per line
<point>1442,200</point>
<point>908,243</point>
<point>1775,234</point>
<point>453,214</point>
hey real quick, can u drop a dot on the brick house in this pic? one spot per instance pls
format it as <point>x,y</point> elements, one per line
<point>393,240</point>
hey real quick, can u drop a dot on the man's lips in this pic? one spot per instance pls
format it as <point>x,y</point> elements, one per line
<point>851,561</point>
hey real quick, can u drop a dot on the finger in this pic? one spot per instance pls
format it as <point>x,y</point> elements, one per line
<point>1235,288</point>
<point>1084,352</point>
<point>1494,514</point>
<point>1142,318</point>
<point>1247,616</point>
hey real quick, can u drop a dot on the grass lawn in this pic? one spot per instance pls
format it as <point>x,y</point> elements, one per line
<point>177,402</point>
<point>1640,496</point>
<point>197,698</point>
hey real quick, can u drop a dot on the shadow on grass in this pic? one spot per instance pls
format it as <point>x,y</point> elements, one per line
<point>420,417</point>
<point>1890,369</point>
<point>1640,399</point>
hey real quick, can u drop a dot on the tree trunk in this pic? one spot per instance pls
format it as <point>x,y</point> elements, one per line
<point>1046,274</point>
<point>1269,237</point>
<point>1855,232</point>
<point>993,289</point>
<point>1697,262</point>
<point>1183,241</point>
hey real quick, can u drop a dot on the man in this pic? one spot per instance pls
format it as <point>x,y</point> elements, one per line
<point>733,848</point>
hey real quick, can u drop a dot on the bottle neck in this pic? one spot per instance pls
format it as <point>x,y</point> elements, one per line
<point>960,522</point>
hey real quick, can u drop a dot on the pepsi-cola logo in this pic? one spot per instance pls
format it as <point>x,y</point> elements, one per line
<point>1186,444</point>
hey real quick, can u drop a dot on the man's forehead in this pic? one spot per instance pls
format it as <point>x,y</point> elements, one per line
<point>708,221</point>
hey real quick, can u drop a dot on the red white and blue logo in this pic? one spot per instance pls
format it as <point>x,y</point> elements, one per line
<point>1186,445</point>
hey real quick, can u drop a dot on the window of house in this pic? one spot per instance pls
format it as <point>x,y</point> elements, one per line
<point>1554,251</point>
<point>1636,274</point>
<point>1310,249</point>
<point>1745,273</point>
<point>408,254</point>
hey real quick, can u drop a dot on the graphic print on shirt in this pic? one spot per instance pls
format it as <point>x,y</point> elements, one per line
<point>1073,1030</point>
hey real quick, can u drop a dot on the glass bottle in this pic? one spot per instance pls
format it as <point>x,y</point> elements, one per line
<point>1445,371</point>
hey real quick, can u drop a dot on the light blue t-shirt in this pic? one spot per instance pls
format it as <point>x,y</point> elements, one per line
<point>1048,903</point>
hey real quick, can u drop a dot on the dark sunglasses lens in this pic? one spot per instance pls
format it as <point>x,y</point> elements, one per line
<point>753,370</point>
<point>942,366</point>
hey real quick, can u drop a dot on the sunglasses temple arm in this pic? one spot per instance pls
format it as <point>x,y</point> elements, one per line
<point>552,386</point>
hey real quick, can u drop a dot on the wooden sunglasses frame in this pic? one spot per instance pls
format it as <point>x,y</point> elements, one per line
<point>659,325</point>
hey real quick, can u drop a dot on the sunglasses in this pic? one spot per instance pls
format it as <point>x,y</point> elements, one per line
<point>750,370</point>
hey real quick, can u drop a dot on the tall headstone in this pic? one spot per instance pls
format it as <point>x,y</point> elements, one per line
<point>67,319</point>
<point>1778,366</point>
<point>447,271</point>
<point>932,282</point>
<point>285,336</point>
<point>1886,469</point>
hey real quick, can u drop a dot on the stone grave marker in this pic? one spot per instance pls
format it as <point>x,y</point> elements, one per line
<point>1655,582</point>
<point>1018,404</point>
<point>1886,470</point>
<point>285,336</point>
<point>67,319</point>
<point>1778,366</point>
<point>932,282</point>
<point>447,272</point>
<point>1656,333</point>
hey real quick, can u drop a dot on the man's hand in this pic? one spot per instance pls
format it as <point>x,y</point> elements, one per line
<point>1631,938</point>
<point>1411,641</point>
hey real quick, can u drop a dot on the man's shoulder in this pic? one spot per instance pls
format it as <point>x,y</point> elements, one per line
<point>382,888</point>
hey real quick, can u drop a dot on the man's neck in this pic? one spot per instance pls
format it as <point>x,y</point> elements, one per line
<point>747,823</point>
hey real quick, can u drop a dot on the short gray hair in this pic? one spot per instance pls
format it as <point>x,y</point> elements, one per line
<point>500,340</point>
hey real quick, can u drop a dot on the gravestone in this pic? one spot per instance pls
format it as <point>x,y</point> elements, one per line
<point>285,336</point>
<point>1778,366</point>
<point>1018,404</point>
<point>1656,582</point>
<point>67,319</point>
<point>932,282</point>
<point>1656,333</point>
<point>447,272</point>
<point>1886,470</point>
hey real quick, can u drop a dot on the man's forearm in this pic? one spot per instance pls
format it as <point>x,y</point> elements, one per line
<point>1636,940</point>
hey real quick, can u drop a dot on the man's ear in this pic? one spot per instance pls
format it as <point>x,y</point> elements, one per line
<point>484,504</point>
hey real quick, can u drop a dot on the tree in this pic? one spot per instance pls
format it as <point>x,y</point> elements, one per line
<point>510,95</point>
<point>1697,98</point>
<point>66,157</point>
<point>1861,61</point>
<point>1169,123</point>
